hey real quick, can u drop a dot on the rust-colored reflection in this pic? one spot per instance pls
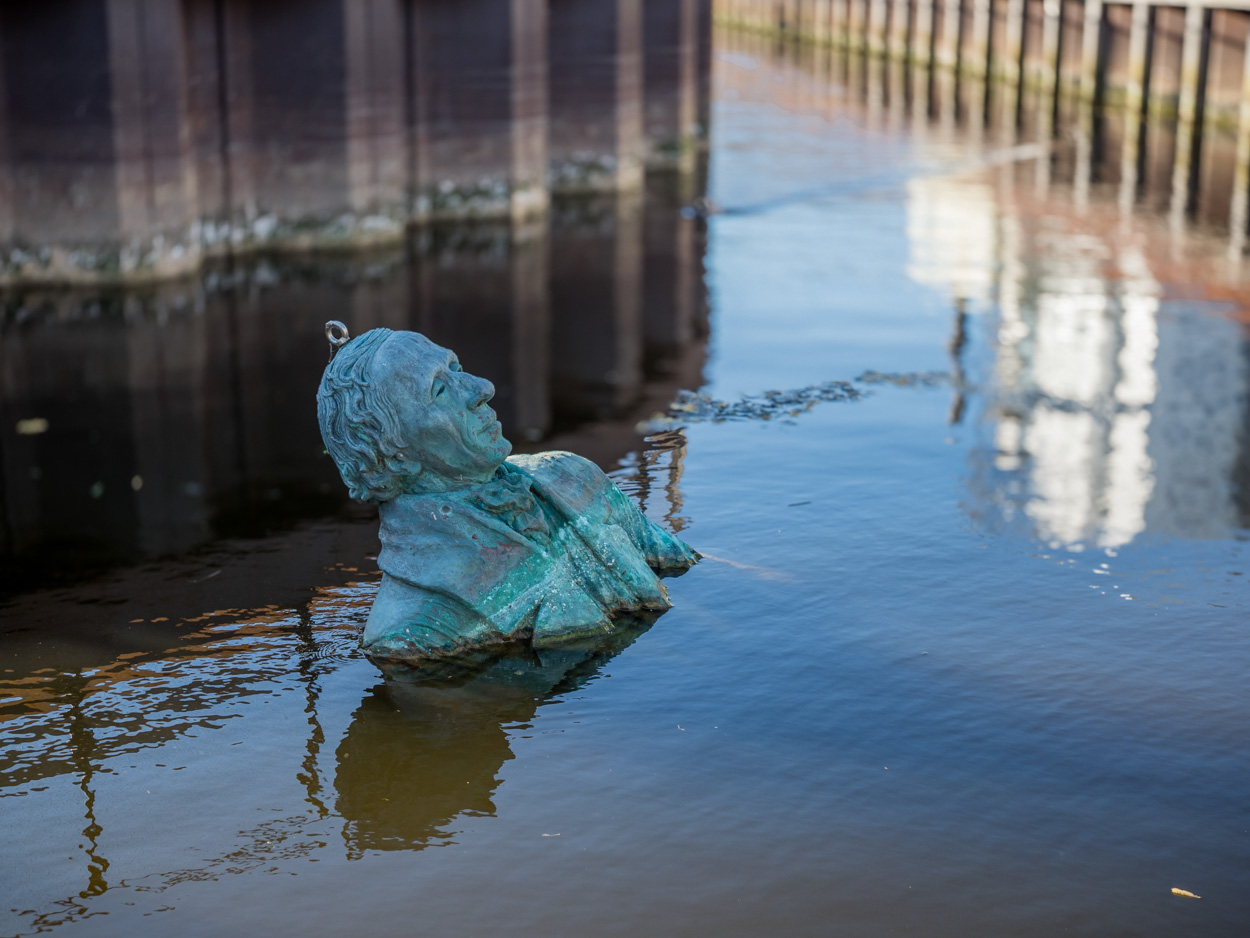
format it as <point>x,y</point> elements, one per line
<point>86,724</point>
<point>415,757</point>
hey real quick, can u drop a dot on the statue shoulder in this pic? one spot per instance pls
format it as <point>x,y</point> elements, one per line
<point>558,464</point>
<point>571,479</point>
<point>442,544</point>
<point>409,621</point>
<point>582,490</point>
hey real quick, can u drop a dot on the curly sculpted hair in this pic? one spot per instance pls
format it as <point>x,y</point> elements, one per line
<point>360,425</point>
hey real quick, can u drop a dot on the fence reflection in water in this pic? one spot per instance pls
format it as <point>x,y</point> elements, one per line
<point>1168,86</point>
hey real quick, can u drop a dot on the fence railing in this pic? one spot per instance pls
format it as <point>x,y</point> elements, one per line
<point>1185,64</point>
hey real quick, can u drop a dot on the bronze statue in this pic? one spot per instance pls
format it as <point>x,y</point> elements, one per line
<point>478,548</point>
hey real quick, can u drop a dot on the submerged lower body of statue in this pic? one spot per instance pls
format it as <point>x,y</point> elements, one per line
<point>548,551</point>
<point>478,552</point>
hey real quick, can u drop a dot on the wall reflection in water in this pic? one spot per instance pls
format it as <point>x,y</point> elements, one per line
<point>1116,404</point>
<point>1100,316</point>
<point>144,422</point>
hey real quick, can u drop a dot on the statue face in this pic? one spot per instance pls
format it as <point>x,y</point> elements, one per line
<point>448,426</point>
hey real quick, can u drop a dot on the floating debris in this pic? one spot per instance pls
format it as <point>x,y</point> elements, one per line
<point>905,379</point>
<point>693,407</point>
<point>1184,892</point>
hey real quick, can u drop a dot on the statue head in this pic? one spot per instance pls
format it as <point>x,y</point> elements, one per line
<point>399,415</point>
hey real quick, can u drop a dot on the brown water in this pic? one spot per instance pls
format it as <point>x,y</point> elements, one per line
<point>964,659</point>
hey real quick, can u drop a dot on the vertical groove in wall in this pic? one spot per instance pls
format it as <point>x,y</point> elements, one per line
<point>223,120</point>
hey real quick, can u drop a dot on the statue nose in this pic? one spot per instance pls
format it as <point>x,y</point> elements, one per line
<point>485,391</point>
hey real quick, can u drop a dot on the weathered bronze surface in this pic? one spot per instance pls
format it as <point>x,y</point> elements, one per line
<point>478,548</point>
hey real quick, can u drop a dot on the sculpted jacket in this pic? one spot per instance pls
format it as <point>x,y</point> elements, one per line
<point>548,550</point>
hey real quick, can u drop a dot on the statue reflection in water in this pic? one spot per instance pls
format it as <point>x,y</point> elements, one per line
<point>420,754</point>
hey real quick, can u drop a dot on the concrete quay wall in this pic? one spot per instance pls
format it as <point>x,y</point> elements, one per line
<point>140,137</point>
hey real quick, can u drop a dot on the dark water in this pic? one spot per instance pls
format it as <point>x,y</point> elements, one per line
<point>964,658</point>
<point>140,424</point>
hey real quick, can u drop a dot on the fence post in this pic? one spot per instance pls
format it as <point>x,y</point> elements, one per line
<point>1091,36</point>
<point>821,11</point>
<point>855,25</point>
<point>947,51</point>
<point>1187,108</point>
<point>1091,45</point>
<point>1135,93</point>
<point>922,40</point>
<point>837,23</point>
<point>1052,21</point>
<point>790,17</point>
<point>978,47</point>
<point>1008,66</point>
<point>898,30</point>
<point>1241,173</point>
<point>1013,45</point>
<point>876,26</point>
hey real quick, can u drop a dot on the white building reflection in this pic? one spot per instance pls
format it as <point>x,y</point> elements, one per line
<point>1109,408</point>
<point>951,226</point>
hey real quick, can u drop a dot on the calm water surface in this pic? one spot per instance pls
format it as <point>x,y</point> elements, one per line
<point>964,658</point>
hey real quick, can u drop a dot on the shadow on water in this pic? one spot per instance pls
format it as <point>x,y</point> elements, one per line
<point>146,422</point>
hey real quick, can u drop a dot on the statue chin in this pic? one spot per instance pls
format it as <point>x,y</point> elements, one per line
<point>538,550</point>
<point>473,461</point>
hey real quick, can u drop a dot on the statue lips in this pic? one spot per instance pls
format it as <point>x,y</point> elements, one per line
<point>490,425</point>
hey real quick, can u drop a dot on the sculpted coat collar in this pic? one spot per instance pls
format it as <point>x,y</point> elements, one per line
<point>508,498</point>
<point>550,543</point>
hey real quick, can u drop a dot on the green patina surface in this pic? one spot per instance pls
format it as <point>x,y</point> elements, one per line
<point>478,549</point>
